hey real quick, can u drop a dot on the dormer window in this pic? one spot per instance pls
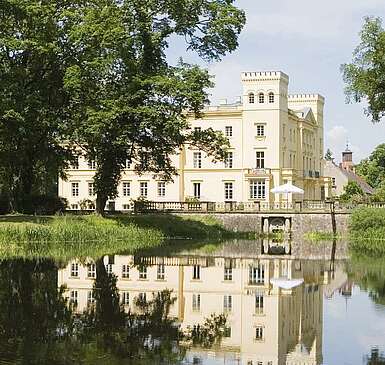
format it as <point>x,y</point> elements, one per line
<point>261,98</point>
<point>251,98</point>
<point>271,97</point>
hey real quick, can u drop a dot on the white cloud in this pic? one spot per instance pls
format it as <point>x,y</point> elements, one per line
<point>336,139</point>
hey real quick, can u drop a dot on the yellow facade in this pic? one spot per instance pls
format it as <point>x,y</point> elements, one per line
<point>275,138</point>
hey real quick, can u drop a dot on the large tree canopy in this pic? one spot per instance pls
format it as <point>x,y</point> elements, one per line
<point>365,76</point>
<point>372,169</point>
<point>94,73</point>
<point>127,102</point>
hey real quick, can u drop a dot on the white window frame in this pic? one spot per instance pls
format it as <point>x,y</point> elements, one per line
<point>74,270</point>
<point>161,188</point>
<point>160,272</point>
<point>92,164</point>
<point>74,297</point>
<point>259,159</point>
<point>228,274</point>
<point>257,189</point>
<point>260,130</point>
<point>229,131</point>
<point>91,189</point>
<point>271,97</point>
<point>197,190</point>
<point>198,129</point>
<point>75,188</point>
<point>90,297</point>
<point>229,190</point>
<point>259,333</point>
<point>125,298</point>
<point>257,274</point>
<point>126,188</point>
<point>196,272</point>
<point>251,98</point>
<point>91,271</point>
<point>196,302</point>
<point>227,303</point>
<point>261,98</point>
<point>259,303</point>
<point>197,160</point>
<point>125,271</point>
<point>229,160</point>
<point>143,188</point>
<point>142,273</point>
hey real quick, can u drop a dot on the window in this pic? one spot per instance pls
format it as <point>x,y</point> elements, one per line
<point>109,269</point>
<point>334,182</point>
<point>257,189</point>
<point>197,160</point>
<point>260,160</point>
<point>251,98</point>
<point>126,188</point>
<point>125,298</point>
<point>198,129</point>
<point>227,303</point>
<point>228,191</point>
<point>126,206</point>
<point>92,164</point>
<point>260,130</point>
<point>91,271</point>
<point>74,269</point>
<point>75,189</point>
<point>261,98</point>
<point>74,297</point>
<point>259,333</point>
<point>257,275</point>
<point>125,271</point>
<point>228,274</point>
<point>258,303</point>
<point>91,189</point>
<point>227,332</point>
<point>143,188</point>
<point>271,97</point>
<point>160,272</point>
<point>196,302</point>
<point>228,131</point>
<point>127,164</point>
<point>142,297</point>
<point>143,272</point>
<point>90,297</point>
<point>229,160</point>
<point>196,272</point>
<point>197,190</point>
<point>161,188</point>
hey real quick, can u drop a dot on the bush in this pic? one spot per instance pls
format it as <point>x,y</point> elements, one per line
<point>366,218</point>
<point>44,204</point>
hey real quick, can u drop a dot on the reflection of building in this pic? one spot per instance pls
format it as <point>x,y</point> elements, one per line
<point>343,173</point>
<point>275,138</point>
<point>274,304</point>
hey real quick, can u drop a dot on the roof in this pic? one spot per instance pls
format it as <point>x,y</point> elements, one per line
<point>359,180</point>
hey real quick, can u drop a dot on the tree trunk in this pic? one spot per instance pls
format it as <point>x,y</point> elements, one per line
<point>101,201</point>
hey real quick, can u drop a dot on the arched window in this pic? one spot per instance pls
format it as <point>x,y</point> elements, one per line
<point>261,98</point>
<point>251,98</point>
<point>271,97</point>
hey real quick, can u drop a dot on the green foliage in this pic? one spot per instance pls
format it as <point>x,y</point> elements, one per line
<point>329,155</point>
<point>352,193</point>
<point>126,102</point>
<point>367,231</point>
<point>372,169</point>
<point>364,76</point>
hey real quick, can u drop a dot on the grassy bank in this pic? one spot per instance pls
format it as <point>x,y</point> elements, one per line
<point>367,231</point>
<point>66,236</point>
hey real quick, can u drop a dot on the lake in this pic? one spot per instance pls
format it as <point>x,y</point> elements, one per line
<point>236,303</point>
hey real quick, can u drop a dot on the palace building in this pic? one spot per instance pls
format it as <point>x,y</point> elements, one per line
<point>275,138</point>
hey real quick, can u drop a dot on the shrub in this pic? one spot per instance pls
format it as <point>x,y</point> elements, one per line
<point>44,204</point>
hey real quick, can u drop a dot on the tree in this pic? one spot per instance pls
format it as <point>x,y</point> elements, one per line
<point>352,191</point>
<point>364,77</point>
<point>127,103</point>
<point>329,155</point>
<point>372,169</point>
<point>32,96</point>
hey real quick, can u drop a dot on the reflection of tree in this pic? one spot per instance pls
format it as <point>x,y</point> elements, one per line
<point>37,326</point>
<point>369,274</point>
<point>375,358</point>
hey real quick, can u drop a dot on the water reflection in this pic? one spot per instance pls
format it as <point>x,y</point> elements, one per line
<point>273,304</point>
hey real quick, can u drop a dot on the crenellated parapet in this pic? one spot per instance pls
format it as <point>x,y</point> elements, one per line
<point>264,76</point>
<point>292,98</point>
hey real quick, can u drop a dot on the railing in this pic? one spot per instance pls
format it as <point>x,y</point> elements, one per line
<point>259,171</point>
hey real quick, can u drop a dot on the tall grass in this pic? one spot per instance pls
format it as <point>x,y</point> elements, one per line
<point>367,231</point>
<point>70,236</point>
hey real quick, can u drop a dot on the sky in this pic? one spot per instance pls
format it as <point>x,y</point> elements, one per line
<point>309,41</point>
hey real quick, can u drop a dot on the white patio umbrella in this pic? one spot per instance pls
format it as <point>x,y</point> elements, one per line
<point>287,189</point>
